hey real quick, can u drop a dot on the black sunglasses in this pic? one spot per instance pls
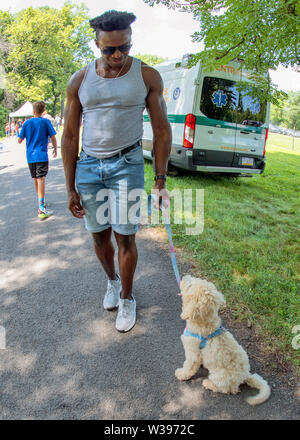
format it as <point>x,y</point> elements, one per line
<point>110,50</point>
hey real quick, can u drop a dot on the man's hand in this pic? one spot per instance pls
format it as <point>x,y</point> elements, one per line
<point>162,195</point>
<point>75,205</point>
<point>54,152</point>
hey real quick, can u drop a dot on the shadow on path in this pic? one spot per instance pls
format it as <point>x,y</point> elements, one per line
<point>63,357</point>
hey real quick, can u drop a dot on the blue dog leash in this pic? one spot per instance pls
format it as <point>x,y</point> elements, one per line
<point>169,232</point>
<point>221,329</point>
<point>172,251</point>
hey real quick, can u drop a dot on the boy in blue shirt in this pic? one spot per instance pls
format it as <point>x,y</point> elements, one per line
<point>36,132</point>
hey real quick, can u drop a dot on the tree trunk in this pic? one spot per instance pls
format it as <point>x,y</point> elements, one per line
<point>62,107</point>
<point>54,110</point>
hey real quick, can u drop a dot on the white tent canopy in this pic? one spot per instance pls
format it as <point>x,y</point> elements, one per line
<point>25,110</point>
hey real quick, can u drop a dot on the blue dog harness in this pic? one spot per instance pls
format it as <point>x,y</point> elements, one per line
<point>203,339</point>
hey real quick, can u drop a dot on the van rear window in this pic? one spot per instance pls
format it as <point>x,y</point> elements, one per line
<point>220,100</point>
<point>251,112</point>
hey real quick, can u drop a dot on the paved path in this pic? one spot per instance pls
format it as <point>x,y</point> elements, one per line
<point>63,357</point>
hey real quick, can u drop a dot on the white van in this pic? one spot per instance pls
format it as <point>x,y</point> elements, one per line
<point>215,128</point>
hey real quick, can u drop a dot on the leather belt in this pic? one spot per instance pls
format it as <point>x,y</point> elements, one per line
<point>126,150</point>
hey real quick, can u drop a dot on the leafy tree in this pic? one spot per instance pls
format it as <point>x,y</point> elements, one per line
<point>5,20</point>
<point>7,99</point>
<point>151,60</point>
<point>47,46</point>
<point>3,119</point>
<point>278,114</point>
<point>293,111</point>
<point>288,113</point>
<point>260,33</point>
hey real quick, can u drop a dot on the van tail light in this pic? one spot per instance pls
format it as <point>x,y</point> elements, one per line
<point>267,133</point>
<point>189,131</point>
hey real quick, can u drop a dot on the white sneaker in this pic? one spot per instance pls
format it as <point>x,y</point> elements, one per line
<point>112,296</point>
<point>126,315</point>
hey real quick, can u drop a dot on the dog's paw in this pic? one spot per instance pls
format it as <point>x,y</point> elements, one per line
<point>181,374</point>
<point>209,385</point>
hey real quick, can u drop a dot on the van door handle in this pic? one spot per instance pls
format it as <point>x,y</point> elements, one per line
<point>245,132</point>
<point>252,150</point>
<point>210,132</point>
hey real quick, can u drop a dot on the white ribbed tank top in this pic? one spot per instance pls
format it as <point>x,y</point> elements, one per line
<point>112,110</point>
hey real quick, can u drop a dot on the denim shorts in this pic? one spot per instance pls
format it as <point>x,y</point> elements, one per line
<point>111,191</point>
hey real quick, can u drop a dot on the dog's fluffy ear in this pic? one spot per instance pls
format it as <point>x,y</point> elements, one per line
<point>203,301</point>
<point>187,310</point>
<point>185,283</point>
<point>185,287</point>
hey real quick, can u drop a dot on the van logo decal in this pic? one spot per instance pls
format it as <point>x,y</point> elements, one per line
<point>249,103</point>
<point>176,93</point>
<point>166,95</point>
<point>219,98</point>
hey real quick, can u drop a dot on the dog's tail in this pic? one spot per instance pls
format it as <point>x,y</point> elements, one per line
<point>256,381</point>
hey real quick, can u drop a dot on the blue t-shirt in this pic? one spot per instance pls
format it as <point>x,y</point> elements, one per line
<point>36,131</point>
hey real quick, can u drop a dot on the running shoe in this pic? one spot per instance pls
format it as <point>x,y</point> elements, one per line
<point>126,317</point>
<point>43,213</point>
<point>112,296</point>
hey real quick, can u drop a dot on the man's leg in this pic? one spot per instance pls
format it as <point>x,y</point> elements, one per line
<point>127,256</point>
<point>105,252</point>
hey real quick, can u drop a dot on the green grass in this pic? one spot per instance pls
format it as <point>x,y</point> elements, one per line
<point>250,246</point>
<point>286,144</point>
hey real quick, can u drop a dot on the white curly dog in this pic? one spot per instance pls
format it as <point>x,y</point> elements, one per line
<point>207,343</point>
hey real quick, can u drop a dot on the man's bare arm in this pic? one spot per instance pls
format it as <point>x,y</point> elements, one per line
<point>156,107</point>
<point>70,141</point>
<point>70,137</point>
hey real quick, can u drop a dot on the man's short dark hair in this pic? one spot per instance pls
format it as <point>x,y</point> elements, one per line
<point>112,21</point>
<point>39,107</point>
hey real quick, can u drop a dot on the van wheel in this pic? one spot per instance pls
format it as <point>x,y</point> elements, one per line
<point>153,164</point>
<point>230,175</point>
<point>172,170</point>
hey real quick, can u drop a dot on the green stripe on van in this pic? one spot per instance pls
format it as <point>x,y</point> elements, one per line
<point>202,120</point>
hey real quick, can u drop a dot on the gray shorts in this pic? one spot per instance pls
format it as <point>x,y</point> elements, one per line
<point>38,169</point>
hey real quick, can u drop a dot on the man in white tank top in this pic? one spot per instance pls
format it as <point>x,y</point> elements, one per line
<point>111,94</point>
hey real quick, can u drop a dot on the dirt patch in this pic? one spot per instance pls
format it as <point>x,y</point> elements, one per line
<point>157,234</point>
<point>272,365</point>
